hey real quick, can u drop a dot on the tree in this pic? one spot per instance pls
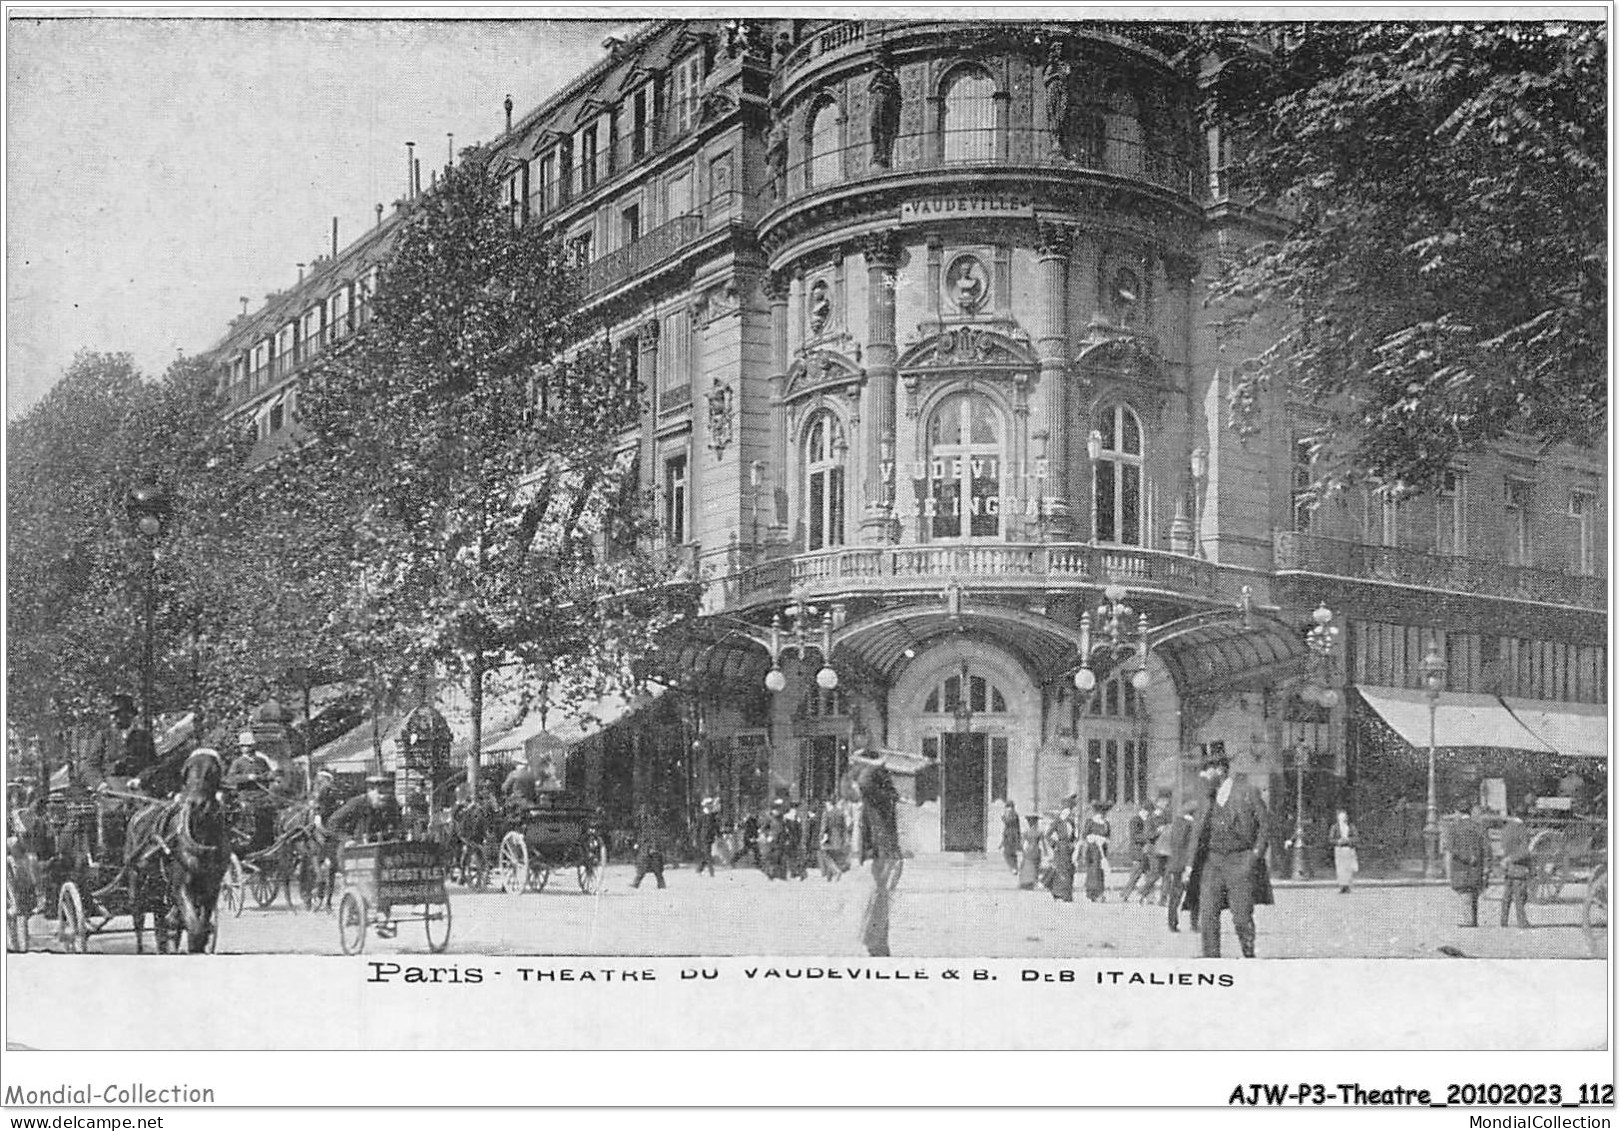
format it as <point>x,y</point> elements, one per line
<point>1442,280</point>
<point>77,570</point>
<point>463,454</point>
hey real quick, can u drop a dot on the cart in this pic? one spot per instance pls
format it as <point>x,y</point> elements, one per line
<point>1595,911</point>
<point>1564,852</point>
<point>542,841</point>
<point>381,877</point>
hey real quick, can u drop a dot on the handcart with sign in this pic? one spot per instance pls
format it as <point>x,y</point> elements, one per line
<point>382,879</point>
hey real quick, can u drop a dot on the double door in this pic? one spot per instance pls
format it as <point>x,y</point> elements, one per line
<point>973,769</point>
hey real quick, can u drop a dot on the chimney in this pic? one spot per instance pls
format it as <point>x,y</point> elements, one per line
<point>301,267</point>
<point>334,237</point>
<point>433,179</point>
<point>379,214</point>
<point>416,183</point>
<point>508,113</point>
<point>410,168</point>
<point>449,150</point>
<point>243,299</point>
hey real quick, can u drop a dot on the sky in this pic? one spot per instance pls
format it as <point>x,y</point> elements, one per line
<point>159,169</point>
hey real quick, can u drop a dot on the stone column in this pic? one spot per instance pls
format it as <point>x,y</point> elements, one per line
<point>647,366</point>
<point>1051,408</point>
<point>882,252</point>
<point>776,293</point>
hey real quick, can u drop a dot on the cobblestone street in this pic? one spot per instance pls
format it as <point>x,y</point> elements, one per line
<point>947,906</point>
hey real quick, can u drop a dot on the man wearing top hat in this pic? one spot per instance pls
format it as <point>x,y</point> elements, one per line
<point>708,831</point>
<point>869,781</point>
<point>370,815</point>
<point>1228,865</point>
<point>126,749</point>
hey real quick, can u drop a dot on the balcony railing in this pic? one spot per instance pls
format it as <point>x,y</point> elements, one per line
<point>1310,553</point>
<point>823,42</point>
<point>666,241</point>
<point>1013,566</point>
<point>991,148</point>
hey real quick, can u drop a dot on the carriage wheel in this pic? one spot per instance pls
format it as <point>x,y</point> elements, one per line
<point>71,926</point>
<point>436,918</point>
<point>592,867</point>
<point>16,918</point>
<point>353,916</point>
<point>1595,914</point>
<point>233,889</point>
<point>262,886</point>
<point>514,864</point>
<point>1547,880</point>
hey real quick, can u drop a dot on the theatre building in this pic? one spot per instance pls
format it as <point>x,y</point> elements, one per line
<point>920,307</point>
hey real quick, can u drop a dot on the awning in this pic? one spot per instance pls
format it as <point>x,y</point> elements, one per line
<point>1459,719</point>
<point>354,752</point>
<point>1580,730</point>
<point>566,727</point>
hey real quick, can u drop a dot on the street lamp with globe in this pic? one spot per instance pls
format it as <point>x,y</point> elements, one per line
<point>1321,639</point>
<point>1434,682</point>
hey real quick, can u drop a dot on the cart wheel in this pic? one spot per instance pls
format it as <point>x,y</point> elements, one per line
<point>1547,882</point>
<point>353,917</point>
<point>233,889</point>
<point>1595,915</point>
<point>71,927</point>
<point>262,886</point>
<point>514,864</point>
<point>592,867</point>
<point>540,876</point>
<point>16,917</point>
<point>436,918</point>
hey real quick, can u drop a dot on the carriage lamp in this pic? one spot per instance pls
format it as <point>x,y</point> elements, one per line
<point>1434,682</point>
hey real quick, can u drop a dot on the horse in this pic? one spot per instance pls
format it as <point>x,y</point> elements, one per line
<point>175,857</point>
<point>310,854</point>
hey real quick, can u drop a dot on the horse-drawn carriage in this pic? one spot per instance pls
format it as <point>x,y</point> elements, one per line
<point>539,841</point>
<point>381,878</point>
<point>1563,850</point>
<point>278,844</point>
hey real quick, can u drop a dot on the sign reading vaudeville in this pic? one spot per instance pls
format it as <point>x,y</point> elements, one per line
<point>953,205</point>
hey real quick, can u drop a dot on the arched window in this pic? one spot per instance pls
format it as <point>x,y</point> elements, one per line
<point>983,697</point>
<point>968,116</point>
<point>824,453</point>
<point>1118,472</point>
<point>963,499</point>
<point>824,164</point>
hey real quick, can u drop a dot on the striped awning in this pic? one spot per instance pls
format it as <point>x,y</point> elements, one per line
<point>1580,730</point>
<point>1460,720</point>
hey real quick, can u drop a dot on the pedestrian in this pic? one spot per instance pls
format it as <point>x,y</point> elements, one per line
<point>1062,838</point>
<point>870,782</point>
<point>708,832</point>
<point>1516,868</point>
<point>1095,833</point>
<point>1164,823</point>
<point>1470,862</point>
<point>1029,862</point>
<point>774,833</point>
<point>750,842</point>
<point>811,850</point>
<point>834,842</point>
<point>793,843</point>
<point>1010,835</point>
<point>1181,844</point>
<point>1229,857</point>
<point>649,848</point>
<point>126,750</point>
<point>1342,836</point>
<point>1140,831</point>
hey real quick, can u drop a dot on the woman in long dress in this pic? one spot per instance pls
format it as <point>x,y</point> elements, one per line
<point>1063,857</point>
<point>1029,862</point>
<point>1342,836</point>
<point>1096,837</point>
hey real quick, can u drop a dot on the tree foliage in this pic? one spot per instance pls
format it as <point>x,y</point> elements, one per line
<point>461,456</point>
<point>1443,277</point>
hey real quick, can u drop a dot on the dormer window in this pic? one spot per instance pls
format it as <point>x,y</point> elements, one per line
<point>640,124</point>
<point>688,89</point>
<point>587,158</point>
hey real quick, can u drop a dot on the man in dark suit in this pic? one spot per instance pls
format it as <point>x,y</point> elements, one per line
<point>1180,842</point>
<point>649,847</point>
<point>1141,830</point>
<point>370,815</point>
<point>1516,865</point>
<point>1229,850</point>
<point>708,831</point>
<point>1470,862</point>
<point>126,749</point>
<point>869,780</point>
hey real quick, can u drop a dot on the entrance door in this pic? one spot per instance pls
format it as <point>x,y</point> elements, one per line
<point>961,816</point>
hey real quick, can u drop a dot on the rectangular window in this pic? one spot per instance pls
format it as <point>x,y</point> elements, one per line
<point>1583,510</point>
<point>1516,501</point>
<point>1450,515</point>
<point>543,184</point>
<point>565,169</point>
<point>1389,520</point>
<point>587,158</point>
<point>1111,769</point>
<point>675,499</point>
<point>678,195</point>
<point>640,143</point>
<point>515,197</point>
<point>630,225</point>
<point>688,89</point>
<point>580,250</point>
<point>674,359</point>
<point>1107,519</point>
<point>1304,508</point>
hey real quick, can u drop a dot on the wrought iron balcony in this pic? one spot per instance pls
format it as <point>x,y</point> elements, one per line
<point>1010,566</point>
<point>665,242</point>
<point>1310,553</point>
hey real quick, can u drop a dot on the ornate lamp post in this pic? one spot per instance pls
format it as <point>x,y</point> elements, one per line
<point>806,625</point>
<point>1434,682</point>
<point>1322,638</point>
<point>148,509</point>
<point>1121,634</point>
